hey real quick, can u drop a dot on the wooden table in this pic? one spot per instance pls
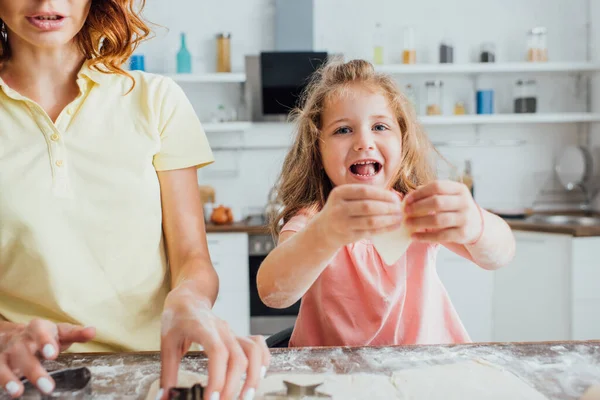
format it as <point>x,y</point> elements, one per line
<point>560,370</point>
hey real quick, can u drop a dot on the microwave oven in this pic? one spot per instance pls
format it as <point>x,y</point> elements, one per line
<point>275,82</point>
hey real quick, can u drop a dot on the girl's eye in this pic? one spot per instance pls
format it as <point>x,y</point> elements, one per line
<point>380,127</point>
<point>342,130</point>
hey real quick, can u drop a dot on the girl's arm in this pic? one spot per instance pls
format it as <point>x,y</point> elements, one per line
<point>352,212</point>
<point>445,212</point>
<point>295,264</point>
<point>494,249</point>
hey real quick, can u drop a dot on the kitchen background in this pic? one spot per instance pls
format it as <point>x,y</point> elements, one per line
<point>512,157</point>
<point>242,178</point>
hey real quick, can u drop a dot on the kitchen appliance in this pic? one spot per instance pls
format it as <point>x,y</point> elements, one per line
<point>265,320</point>
<point>275,81</point>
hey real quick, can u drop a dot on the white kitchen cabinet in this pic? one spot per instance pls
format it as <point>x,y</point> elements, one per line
<point>470,290</point>
<point>532,294</point>
<point>585,289</point>
<point>229,255</point>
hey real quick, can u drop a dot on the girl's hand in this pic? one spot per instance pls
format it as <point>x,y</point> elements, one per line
<point>353,212</point>
<point>443,211</point>
<point>22,347</point>
<point>188,318</point>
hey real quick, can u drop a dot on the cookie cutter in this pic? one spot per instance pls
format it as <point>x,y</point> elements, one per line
<point>195,392</point>
<point>295,391</point>
<point>70,383</point>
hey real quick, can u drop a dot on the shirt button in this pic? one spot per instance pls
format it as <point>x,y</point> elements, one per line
<point>59,163</point>
<point>70,111</point>
<point>54,137</point>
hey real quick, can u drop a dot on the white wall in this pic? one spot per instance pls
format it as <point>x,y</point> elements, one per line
<point>505,176</point>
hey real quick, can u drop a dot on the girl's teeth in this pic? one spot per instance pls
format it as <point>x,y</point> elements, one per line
<point>48,17</point>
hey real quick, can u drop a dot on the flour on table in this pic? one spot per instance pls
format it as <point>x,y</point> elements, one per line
<point>464,381</point>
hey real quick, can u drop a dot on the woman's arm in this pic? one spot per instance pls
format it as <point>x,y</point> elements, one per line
<point>185,233</point>
<point>187,316</point>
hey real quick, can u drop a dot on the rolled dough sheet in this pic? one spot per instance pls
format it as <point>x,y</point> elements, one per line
<point>342,387</point>
<point>466,380</point>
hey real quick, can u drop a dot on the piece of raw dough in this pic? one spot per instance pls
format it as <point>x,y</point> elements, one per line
<point>466,380</point>
<point>184,379</point>
<point>392,245</point>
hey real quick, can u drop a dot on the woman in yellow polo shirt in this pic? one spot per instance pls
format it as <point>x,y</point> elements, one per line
<point>102,239</point>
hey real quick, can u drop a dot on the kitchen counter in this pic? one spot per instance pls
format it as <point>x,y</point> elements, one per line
<point>238,227</point>
<point>573,230</point>
<point>515,224</point>
<point>559,370</point>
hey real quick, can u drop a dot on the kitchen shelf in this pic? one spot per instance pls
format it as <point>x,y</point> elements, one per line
<point>226,127</point>
<point>554,118</point>
<point>489,68</point>
<point>217,77</point>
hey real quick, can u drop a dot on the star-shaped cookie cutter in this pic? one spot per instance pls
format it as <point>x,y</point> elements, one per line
<point>295,391</point>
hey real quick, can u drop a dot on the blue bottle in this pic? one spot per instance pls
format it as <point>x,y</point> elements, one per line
<point>184,58</point>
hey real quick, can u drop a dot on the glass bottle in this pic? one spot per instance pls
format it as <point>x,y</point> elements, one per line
<point>378,45</point>
<point>184,58</point>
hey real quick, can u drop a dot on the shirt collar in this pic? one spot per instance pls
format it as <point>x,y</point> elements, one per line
<point>92,73</point>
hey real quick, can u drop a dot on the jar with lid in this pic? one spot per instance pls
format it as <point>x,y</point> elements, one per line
<point>434,97</point>
<point>411,96</point>
<point>224,52</point>
<point>537,50</point>
<point>446,52</point>
<point>487,53</point>
<point>525,96</point>
<point>409,55</point>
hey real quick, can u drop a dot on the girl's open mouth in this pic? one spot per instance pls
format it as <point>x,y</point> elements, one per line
<point>365,168</point>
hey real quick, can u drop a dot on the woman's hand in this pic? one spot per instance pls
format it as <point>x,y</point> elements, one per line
<point>353,212</point>
<point>21,348</point>
<point>188,318</point>
<point>443,211</point>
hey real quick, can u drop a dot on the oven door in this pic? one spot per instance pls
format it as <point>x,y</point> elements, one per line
<point>265,320</point>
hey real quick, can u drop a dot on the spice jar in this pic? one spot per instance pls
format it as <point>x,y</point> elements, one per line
<point>537,50</point>
<point>409,55</point>
<point>411,96</point>
<point>525,96</point>
<point>460,108</point>
<point>488,53</point>
<point>434,97</point>
<point>224,52</point>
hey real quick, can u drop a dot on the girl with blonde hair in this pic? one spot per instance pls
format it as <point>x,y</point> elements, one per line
<point>361,167</point>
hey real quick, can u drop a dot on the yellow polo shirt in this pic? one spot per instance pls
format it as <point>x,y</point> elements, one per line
<point>80,211</point>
